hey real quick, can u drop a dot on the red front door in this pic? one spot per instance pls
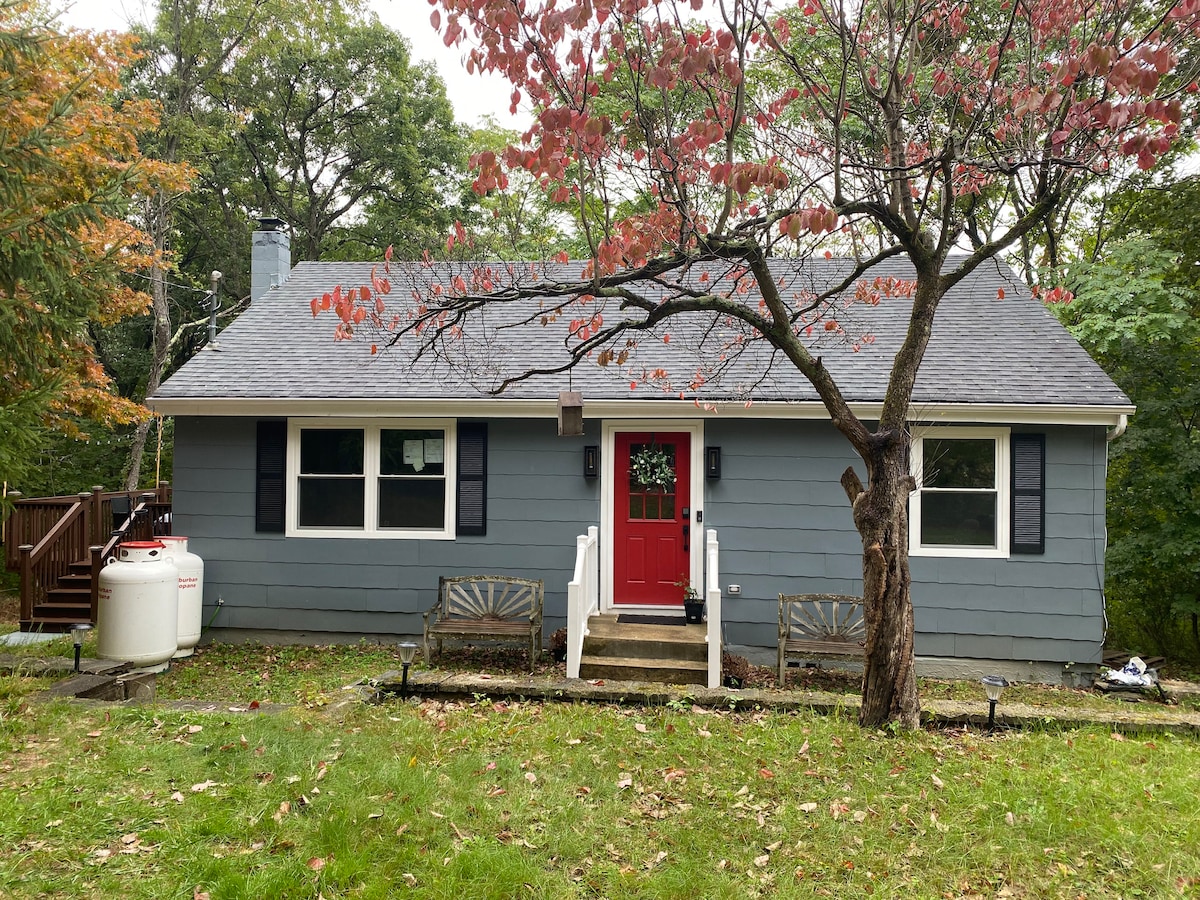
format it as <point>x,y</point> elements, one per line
<point>651,522</point>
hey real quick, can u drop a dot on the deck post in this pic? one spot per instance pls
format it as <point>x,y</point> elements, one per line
<point>95,526</point>
<point>97,564</point>
<point>26,569</point>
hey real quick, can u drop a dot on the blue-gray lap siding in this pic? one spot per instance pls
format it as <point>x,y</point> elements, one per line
<point>782,519</point>
<point>369,587</point>
<point>784,524</point>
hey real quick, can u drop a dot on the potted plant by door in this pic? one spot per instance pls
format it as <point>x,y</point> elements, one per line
<point>693,604</point>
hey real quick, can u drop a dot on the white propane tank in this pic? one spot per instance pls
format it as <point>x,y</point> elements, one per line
<point>137,615</point>
<point>191,592</point>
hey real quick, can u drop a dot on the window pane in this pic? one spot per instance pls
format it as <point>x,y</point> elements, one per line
<point>637,507</point>
<point>667,511</point>
<point>412,503</point>
<point>331,451</point>
<point>951,519</point>
<point>331,502</point>
<point>959,462</point>
<point>412,451</point>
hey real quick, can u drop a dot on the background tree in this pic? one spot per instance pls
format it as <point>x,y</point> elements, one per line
<point>1136,307</point>
<point>344,138</point>
<point>723,133</point>
<point>70,167</point>
<point>309,111</point>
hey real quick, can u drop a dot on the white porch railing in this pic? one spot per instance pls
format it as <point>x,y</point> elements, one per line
<point>583,596</point>
<point>712,599</point>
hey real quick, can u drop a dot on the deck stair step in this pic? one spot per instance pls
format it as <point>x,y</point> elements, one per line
<point>668,654</point>
<point>70,601</point>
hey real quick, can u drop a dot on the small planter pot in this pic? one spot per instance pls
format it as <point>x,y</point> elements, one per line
<point>693,611</point>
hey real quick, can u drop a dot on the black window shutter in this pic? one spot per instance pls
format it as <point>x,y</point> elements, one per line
<point>472,478</point>
<point>1028,493</point>
<point>271,471</point>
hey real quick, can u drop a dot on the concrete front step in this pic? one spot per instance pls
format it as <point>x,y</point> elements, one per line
<point>626,651</point>
<point>659,671</point>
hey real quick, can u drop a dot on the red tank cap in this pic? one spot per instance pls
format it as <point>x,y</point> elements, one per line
<point>145,545</point>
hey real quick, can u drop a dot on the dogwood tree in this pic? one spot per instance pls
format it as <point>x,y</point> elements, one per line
<point>698,134</point>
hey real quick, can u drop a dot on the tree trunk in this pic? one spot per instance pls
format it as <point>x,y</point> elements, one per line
<point>161,335</point>
<point>881,517</point>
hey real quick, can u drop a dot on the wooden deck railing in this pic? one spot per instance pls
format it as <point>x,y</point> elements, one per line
<point>44,536</point>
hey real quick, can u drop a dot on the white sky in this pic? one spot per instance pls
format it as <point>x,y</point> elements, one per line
<point>472,96</point>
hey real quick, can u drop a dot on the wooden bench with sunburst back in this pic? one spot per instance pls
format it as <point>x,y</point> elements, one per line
<point>820,626</point>
<point>487,607</point>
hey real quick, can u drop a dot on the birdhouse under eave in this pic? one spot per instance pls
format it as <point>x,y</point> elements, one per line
<point>570,413</point>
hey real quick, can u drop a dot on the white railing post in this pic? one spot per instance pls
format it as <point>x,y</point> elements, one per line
<point>583,596</point>
<point>712,599</point>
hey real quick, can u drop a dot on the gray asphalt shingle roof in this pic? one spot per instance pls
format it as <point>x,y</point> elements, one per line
<point>984,350</point>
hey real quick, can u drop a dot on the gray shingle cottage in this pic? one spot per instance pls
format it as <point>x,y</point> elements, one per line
<point>328,488</point>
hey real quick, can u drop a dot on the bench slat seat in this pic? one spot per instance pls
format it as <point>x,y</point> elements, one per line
<point>486,606</point>
<point>829,626</point>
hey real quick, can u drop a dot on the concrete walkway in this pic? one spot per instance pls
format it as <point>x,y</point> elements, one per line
<point>1127,718</point>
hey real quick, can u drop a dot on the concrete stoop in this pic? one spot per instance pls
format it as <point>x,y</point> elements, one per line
<point>666,654</point>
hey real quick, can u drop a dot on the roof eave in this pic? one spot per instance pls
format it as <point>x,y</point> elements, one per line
<point>663,408</point>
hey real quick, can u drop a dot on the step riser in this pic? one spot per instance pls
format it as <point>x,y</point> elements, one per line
<point>658,674</point>
<point>66,613</point>
<point>644,649</point>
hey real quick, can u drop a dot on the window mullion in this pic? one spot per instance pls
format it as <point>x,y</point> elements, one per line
<point>371,472</point>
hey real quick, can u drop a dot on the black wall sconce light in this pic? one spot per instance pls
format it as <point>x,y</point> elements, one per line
<point>712,462</point>
<point>591,461</point>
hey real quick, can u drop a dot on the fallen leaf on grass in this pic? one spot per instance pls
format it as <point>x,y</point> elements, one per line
<point>203,786</point>
<point>808,807</point>
<point>410,879</point>
<point>530,777</point>
<point>54,824</point>
<point>625,780</point>
<point>375,815</point>
<point>316,863</point>
<point>284,808</point>
<point>640,727</point>
<point>703,733</point>
<point>198,894</point>
<point>1009,819</point>
<point>761,861</point>
<point>95,734</point>
<point>937,782</point>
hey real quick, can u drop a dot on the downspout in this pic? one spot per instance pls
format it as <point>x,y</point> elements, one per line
<point>1109,436</point>
<point>1117,430</point>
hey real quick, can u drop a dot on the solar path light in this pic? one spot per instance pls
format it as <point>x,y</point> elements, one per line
<point>994,685</point>
<point>78,636</point>
<point>408,652</point>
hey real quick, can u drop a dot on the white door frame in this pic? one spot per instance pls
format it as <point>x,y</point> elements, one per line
<point>609,429</point>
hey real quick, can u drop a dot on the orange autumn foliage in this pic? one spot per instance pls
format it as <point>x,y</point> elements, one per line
<point>70,168</point>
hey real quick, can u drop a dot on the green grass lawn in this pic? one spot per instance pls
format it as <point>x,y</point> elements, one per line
<point>475,800</point>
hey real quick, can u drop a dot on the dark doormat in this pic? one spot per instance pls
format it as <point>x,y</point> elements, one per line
<point>631,619</point>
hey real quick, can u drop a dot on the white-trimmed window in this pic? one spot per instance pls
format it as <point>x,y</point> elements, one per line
<point>371,478</point>
<point>961,504</point>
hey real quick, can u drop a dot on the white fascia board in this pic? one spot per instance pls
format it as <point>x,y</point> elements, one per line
<point>503,408</point>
